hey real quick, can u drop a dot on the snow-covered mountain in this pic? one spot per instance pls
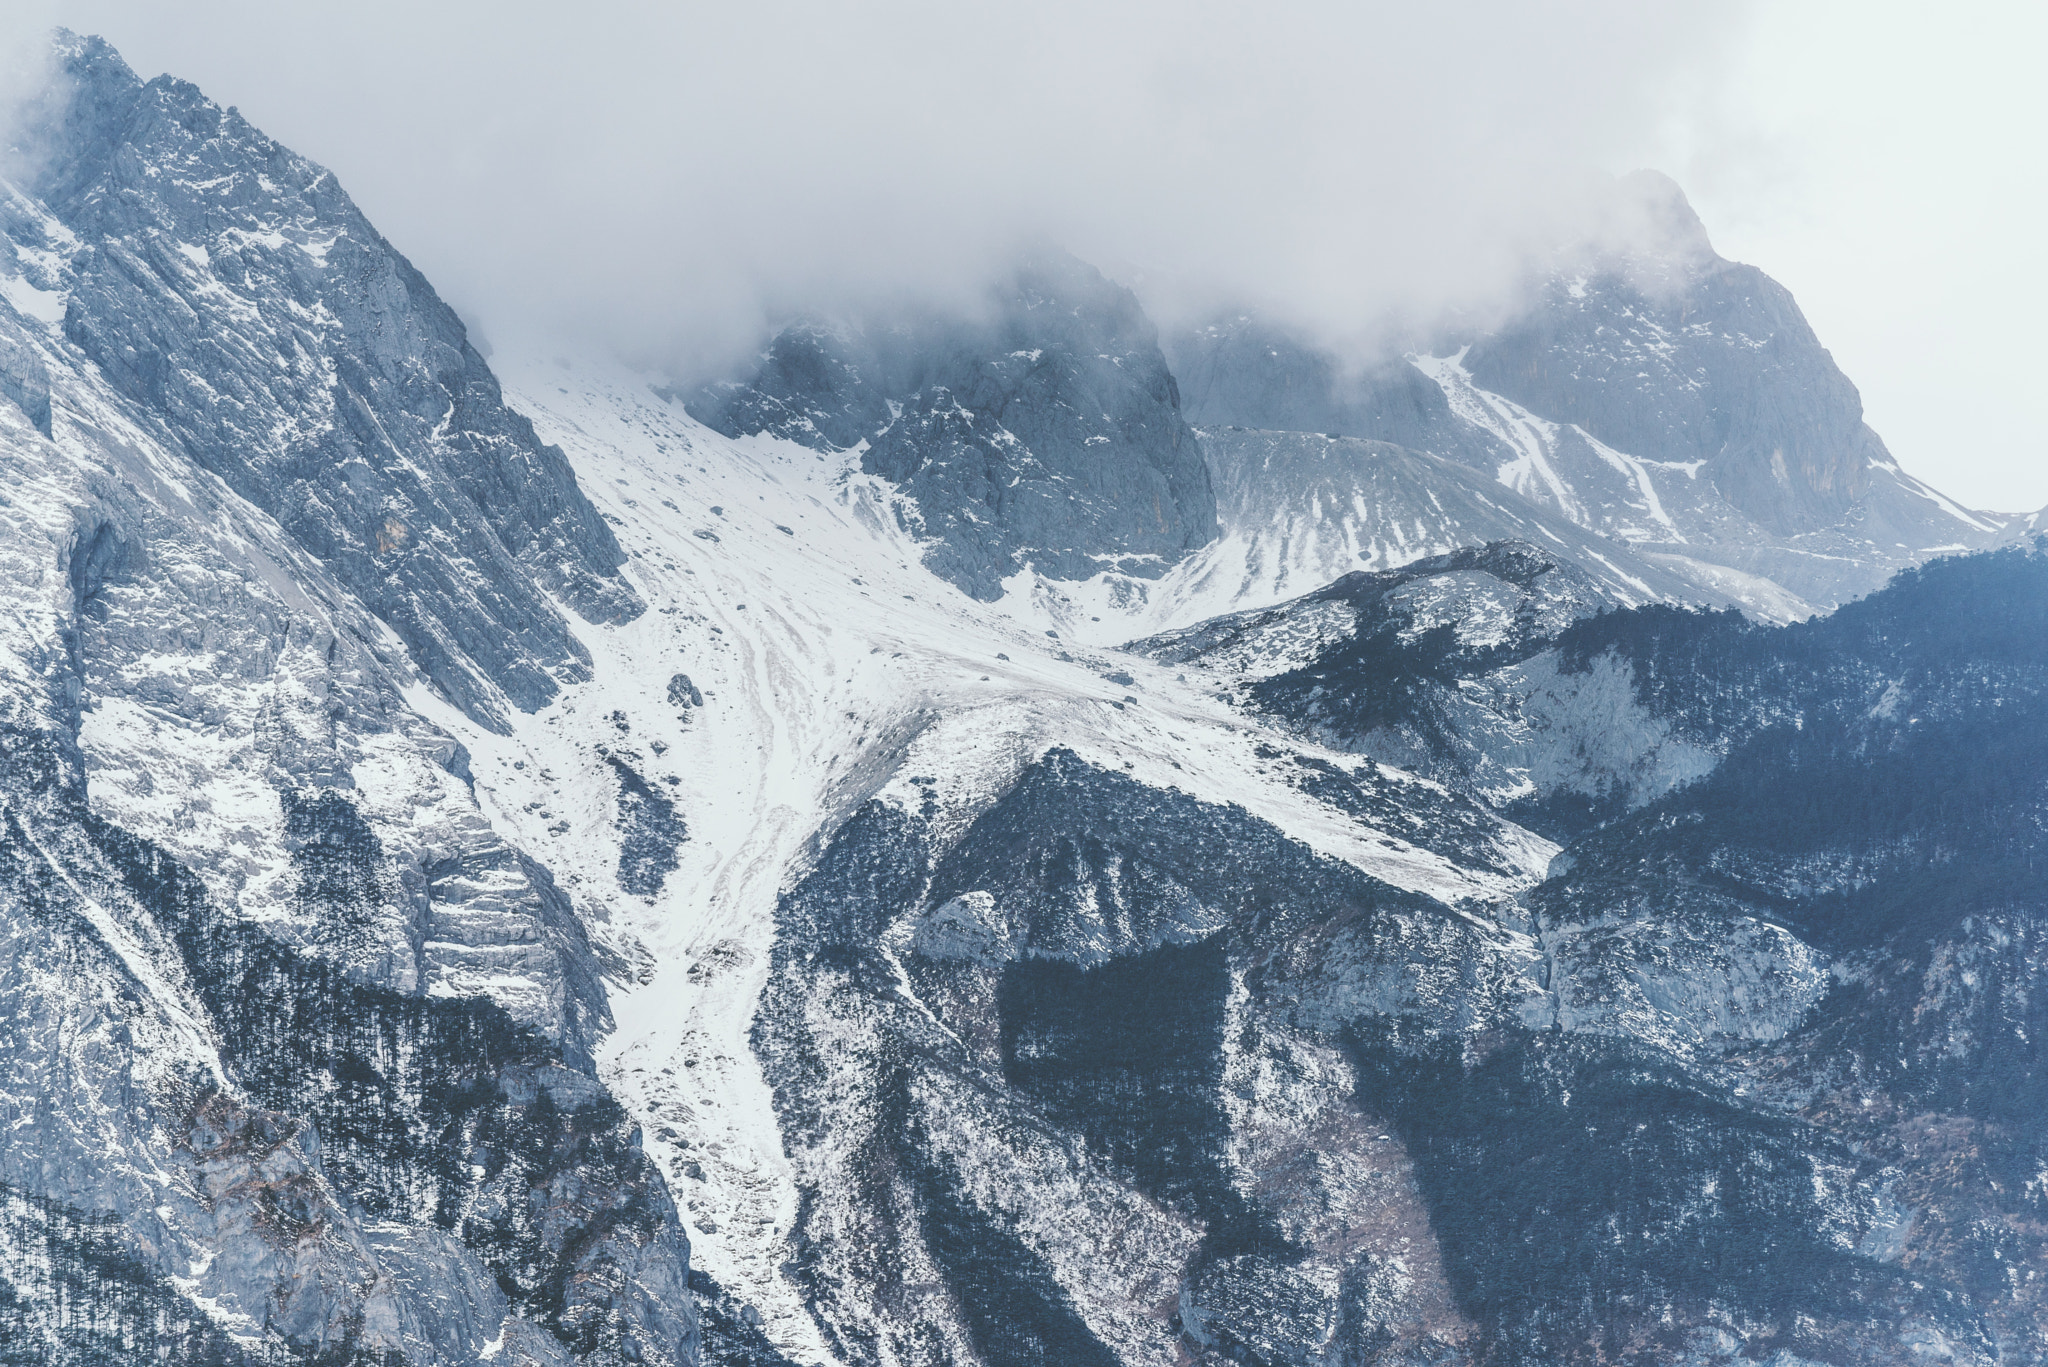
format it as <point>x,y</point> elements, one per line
<point>286,1006</point>
<point>1658,395</point>
<point>1664,414</point>
<point>522,865</point>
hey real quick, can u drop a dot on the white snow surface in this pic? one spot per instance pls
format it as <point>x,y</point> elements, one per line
<point>1634,510</point>
<point>1297,510</point>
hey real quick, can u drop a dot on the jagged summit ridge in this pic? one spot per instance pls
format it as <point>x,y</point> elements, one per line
<point>1651,393</point>
<point>233,291</point>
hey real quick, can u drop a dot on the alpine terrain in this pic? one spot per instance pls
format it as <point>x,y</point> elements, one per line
<point>985,840</point>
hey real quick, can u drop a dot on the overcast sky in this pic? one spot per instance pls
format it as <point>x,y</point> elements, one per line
<point>659,176</point>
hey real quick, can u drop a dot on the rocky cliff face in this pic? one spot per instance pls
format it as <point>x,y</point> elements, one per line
<point>1048,435</point>
<point>1675,355</point>
<point>231,291</point>
<point>300,1046</point>
<point>268,1160</point>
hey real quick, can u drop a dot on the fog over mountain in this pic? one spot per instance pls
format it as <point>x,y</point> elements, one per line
<point>662,176</point>
<point>1329,161</point>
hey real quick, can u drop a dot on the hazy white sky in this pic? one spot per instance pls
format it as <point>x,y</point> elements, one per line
<point>1885,161</point>
<point>656,175</point>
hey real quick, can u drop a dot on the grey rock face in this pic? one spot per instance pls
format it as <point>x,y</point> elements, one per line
<point>825,386</point>
<point>231,1111</point>
<point>25,381</point>
<point>79,1295</point>
<point>142,1033</point>
<point>296,1037</point>
<point>1246,373</point>
<point>233,291</point>
<point>237,706</point>
<point>1688,357</point>
<point>1048,435</point>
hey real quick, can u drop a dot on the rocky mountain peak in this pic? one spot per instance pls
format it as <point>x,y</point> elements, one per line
<point>1691,358</point>
<point>1043,430</point>
<point>1650,218</point>
<point>1650,392</point>
<point>233,290</point>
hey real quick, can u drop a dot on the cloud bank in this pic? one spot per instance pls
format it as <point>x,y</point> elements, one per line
<point>665,178</point>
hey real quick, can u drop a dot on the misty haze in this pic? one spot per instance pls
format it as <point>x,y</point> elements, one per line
<point>914,686</point>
